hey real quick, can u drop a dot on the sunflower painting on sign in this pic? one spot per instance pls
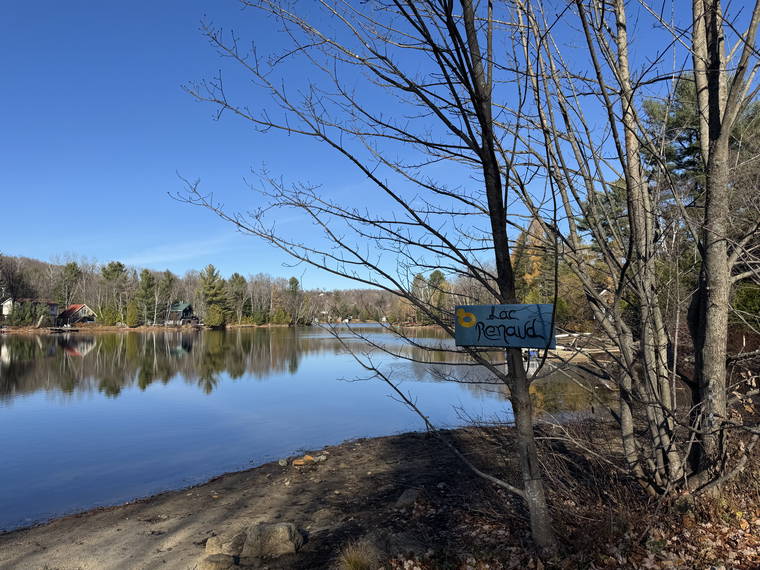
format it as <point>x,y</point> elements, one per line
<point>505,326</point>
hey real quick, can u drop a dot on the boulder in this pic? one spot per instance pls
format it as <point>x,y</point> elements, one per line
<point>265,539</point>
<point>227,546</point>
<point>256,541</point>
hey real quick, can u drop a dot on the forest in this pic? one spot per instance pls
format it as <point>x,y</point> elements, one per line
<point>134,296</point>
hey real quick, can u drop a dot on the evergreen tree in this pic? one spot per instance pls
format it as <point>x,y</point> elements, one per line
<point>108,315</point>
<point>112,310</point>
<point>214,295</point>
<point>674,122</point>
<point>133,314</point>
<point>27,313</point>
<point>294,300</point>
<point>113,271</point>
<point>215,316</point>
<point>280,317</point>
<point>746,304</point>
<point>611,204</point>
<point>339,306</point>
<point>437,287</point>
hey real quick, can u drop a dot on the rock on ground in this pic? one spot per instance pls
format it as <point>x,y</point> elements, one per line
<point>258,540</point>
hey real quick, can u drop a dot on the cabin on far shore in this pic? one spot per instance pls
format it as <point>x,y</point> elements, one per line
<point>75,314</point>
<point>181,314</point>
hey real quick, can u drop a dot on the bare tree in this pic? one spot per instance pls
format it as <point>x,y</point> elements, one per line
<point>13,281</point>
<point>432,61</point>
<point>722,93</point>
<point>260,292</point>
<point>465,150</point>
<point>583,138</point>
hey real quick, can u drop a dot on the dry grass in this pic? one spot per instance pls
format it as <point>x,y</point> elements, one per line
<point>361,554</point>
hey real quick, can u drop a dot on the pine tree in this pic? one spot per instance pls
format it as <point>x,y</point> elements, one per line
<point>214,295</point>
<point>215,316</point>
<point>294,300</point>
<point>133,314</point>
<point>112,310</point>
<point>437,287</point>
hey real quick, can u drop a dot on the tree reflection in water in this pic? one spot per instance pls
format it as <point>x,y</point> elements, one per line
<point>112,362</point>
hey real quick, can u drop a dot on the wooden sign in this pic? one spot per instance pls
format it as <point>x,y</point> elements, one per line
<point>504,326</point>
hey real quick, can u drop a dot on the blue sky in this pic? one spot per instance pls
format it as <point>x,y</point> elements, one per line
<point>96,128</point>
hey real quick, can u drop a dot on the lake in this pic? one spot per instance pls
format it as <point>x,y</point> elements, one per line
<point>98,419</point>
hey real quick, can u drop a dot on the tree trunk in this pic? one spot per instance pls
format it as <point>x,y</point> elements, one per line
<point>653,341</point>
<point>540,520</point>
<point>708,318</point>
<point>710,321</point>
<point>533,486</point>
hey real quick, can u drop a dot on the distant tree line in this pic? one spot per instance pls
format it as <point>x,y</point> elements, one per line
<point>122,294</point>
<point>133,296</point>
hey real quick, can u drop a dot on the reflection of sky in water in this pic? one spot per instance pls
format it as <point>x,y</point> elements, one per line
<point>77,430</point>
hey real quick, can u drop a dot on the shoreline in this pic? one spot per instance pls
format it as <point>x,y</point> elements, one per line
<point>332,501</point>
<point>98,328</point>
<point>405,497</point>
<point>95,329</point>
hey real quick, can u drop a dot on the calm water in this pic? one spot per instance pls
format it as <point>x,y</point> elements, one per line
<point>102,419</point>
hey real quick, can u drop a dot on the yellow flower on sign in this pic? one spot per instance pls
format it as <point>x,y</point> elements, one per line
<point>466,319</point>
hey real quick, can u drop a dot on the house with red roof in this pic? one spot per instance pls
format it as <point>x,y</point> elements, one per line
<point>75,314</point>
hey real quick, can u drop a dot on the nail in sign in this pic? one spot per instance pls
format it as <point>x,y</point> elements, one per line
<point>504,326</point>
